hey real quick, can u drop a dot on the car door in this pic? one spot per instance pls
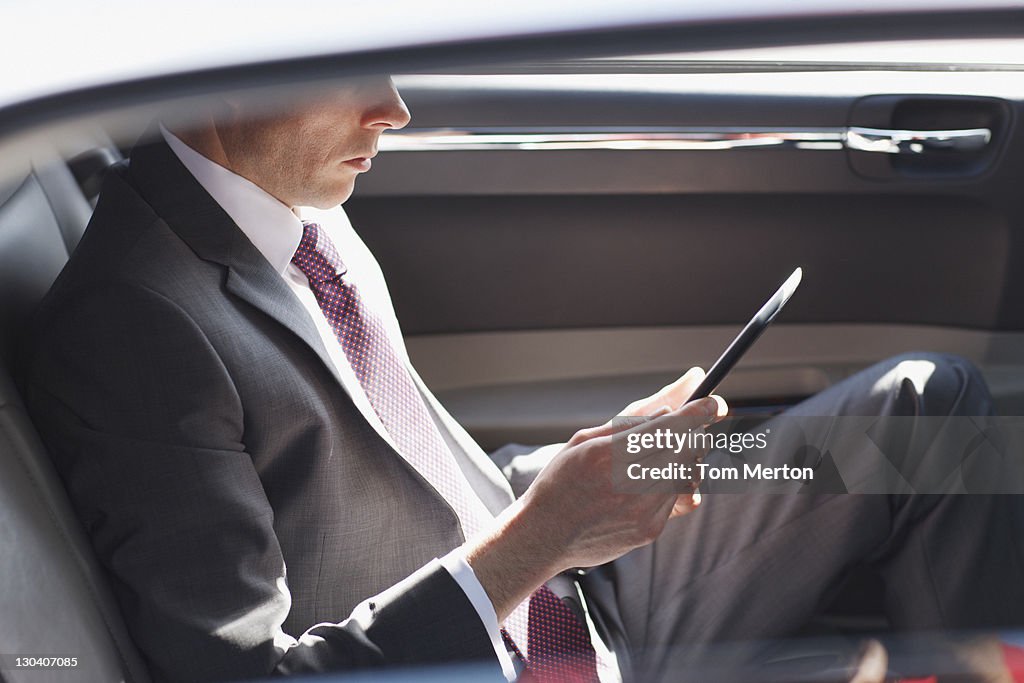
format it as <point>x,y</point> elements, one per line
<point>561,239</point>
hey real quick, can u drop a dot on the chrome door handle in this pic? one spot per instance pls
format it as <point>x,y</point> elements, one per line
<point>916,141</point>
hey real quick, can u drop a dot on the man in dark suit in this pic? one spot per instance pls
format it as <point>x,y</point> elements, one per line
<point>222,383</point>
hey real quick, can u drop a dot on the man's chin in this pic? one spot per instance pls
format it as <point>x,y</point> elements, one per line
<point>328,200</point>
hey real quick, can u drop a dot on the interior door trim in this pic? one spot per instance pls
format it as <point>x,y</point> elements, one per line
<point>486,139</point>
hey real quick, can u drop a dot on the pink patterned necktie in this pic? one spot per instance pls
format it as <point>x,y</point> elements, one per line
<point>558,646</point>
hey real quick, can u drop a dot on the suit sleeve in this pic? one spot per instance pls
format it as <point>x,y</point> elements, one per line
<point>146,428</point>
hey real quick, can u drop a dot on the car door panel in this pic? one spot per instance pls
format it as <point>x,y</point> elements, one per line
<point>543,289</point>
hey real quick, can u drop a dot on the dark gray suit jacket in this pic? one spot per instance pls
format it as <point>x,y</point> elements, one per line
<point>207,445</point>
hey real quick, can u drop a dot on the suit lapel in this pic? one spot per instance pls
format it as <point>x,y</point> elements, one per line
<point>176,196</point>
<point>200,222</point>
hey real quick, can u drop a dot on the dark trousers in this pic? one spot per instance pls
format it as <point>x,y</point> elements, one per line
<point>750,567</point>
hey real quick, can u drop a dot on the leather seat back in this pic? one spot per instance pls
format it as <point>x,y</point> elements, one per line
<point>32,252</point>
<point>54,600</point>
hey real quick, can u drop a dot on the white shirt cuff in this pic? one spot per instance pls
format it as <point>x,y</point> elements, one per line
<point>455,563</point>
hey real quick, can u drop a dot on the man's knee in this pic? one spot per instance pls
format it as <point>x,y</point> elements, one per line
<point>929,383</point>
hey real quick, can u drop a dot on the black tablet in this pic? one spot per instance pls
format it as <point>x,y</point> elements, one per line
<point>746,338</point>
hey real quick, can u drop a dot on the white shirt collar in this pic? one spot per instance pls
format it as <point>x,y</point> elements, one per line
<point>273,228</point>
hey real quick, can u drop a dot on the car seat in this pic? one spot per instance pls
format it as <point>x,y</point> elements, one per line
<point>54,600</point>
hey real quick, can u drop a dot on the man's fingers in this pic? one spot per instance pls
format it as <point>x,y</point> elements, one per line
<point>682,448</point>
<point>713,406</point>
<point>699,413</point>
<point>685,504</point>
<point>673,395</point>
<point>873,664</point>
<point>681,390</point>
<point>614,426</point>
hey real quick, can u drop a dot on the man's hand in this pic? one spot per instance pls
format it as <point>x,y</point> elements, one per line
<point>571,516</point>
<point>873,665</point>
<point>662,402</point>
<point>671,396</point>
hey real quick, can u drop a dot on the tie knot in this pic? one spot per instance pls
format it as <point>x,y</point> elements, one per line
<point>316,256</point>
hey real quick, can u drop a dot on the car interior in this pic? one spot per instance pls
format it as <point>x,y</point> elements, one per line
<point>561,238</point>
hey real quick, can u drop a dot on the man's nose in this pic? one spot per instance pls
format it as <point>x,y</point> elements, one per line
<point>387,109</point>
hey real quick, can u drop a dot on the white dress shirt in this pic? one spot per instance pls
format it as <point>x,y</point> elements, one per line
<point>275,230</point>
